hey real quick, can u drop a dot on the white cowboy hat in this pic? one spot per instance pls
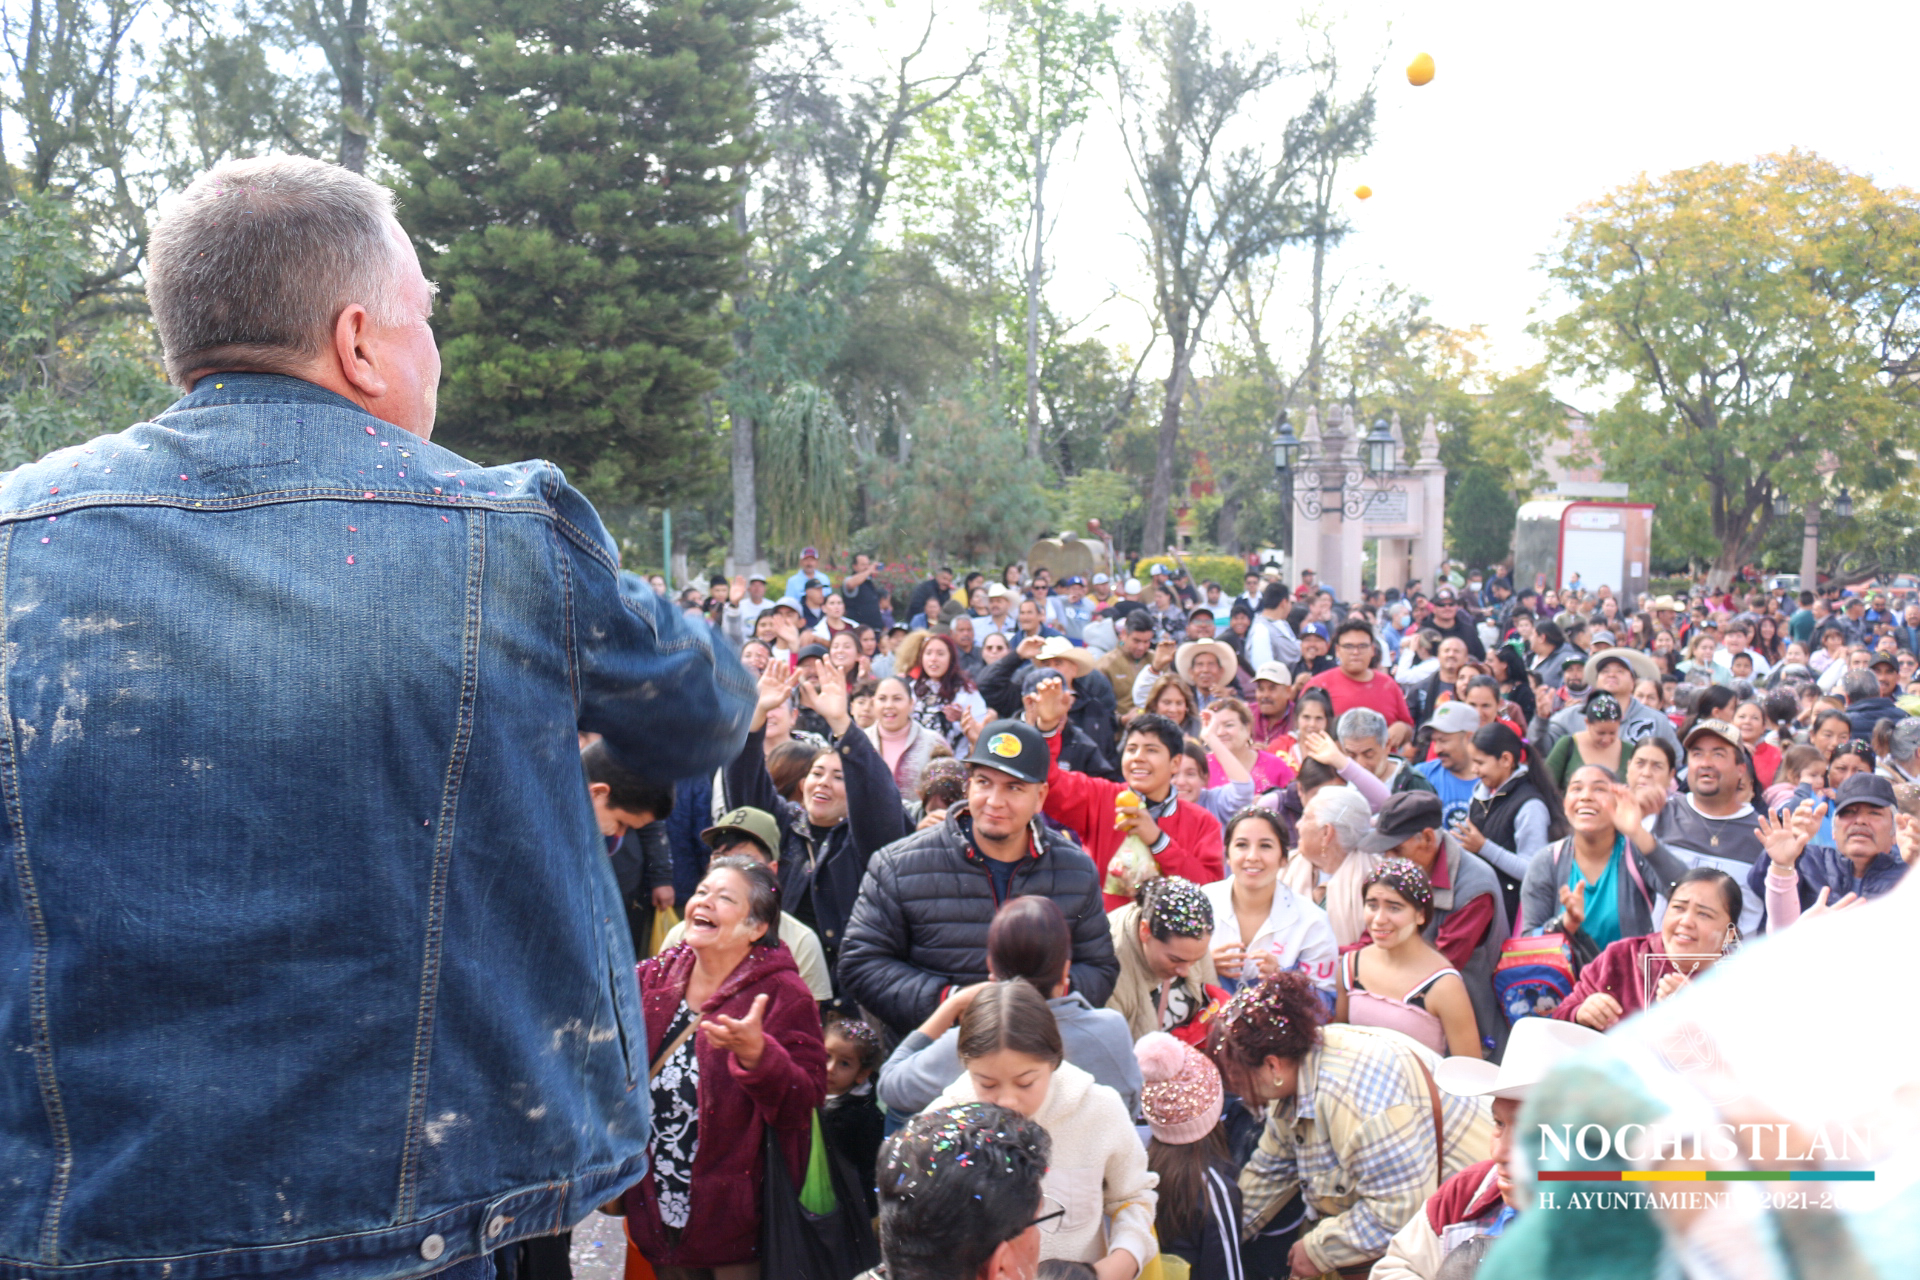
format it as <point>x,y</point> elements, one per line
<point>1061,647</point>
<point>1183,657</point>
<point>1535,1047</point>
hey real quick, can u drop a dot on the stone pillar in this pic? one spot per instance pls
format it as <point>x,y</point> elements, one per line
<point>1810,550</point>
<point>1428,555</point>
<point>1307,551</point>
<point>1350,535</point>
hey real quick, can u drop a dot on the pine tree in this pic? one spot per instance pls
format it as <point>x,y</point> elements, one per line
<point>568,169</point>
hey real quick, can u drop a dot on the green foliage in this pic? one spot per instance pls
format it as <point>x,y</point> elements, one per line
<point>1106,496</point>
<point>1480,518</point>
<point>808,471</point>
<point>569,171</point>
<point>1762,315</point>
<point>62,384</point>
<point>967,490</point>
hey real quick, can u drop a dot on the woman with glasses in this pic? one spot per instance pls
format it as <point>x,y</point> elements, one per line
<point>1011,1051</point>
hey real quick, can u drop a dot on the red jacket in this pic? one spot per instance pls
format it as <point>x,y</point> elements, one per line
<point>723,1223</point>
<point>1084,805</point>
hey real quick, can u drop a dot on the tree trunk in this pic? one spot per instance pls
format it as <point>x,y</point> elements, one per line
<point>353,90</point>
<point>746,528</point>
<point>1153,532</point>
<point>1316,347</point>
<point>1033,299</point>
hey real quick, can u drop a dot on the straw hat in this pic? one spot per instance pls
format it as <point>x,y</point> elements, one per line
<point>1183,657</point>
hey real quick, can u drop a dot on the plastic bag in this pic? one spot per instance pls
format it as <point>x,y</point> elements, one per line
<point>798,1244</point>
<point>663,922</point>
<point>1131,867</point>
<point>816,1193</point>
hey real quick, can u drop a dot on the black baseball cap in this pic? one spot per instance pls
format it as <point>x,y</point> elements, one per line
<point>810,651</point>
<point>1015,748</point>
<point>1863,788</point>
<point>1883,660</point>
<point>1400,819</point>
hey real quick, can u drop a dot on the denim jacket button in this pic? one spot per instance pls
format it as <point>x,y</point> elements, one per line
<point>432,1247</point>
<point>496,1224</point>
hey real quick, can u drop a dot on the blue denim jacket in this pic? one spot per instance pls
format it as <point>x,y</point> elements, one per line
<point>311,959</point>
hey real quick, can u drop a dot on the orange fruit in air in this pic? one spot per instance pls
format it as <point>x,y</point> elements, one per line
<point>1420,70</point>
<point>1362,192</point>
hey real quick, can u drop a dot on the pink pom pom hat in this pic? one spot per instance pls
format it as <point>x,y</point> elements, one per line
<point>1182,1096</point>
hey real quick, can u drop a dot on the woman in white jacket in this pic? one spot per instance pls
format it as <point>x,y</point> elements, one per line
<point>1010,1047</point>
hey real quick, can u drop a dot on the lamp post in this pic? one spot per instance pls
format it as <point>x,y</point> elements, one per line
<point>1810,531</point>
<point>1332,475</point>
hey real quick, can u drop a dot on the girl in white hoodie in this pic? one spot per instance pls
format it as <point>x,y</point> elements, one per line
<point>1010,1048</point>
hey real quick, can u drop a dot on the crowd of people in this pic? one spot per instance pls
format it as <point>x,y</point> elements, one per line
<point>1011,929</point>
<point>1193,890</point>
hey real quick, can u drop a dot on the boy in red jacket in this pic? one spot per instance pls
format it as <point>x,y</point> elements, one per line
<point>1183,838</point>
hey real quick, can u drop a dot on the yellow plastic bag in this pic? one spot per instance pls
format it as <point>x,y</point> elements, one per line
<point>663,922</point>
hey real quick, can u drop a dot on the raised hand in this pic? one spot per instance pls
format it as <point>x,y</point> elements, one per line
<point>1046,706</point>
<point>742,1037</point>
<point>1906,838</point>
<point>1322,747</point>
<point>737,589</point>
<point>1029,648</point>
<point>1821,907</point>
<point>1573,906</point>
<point>1782,838</point>
<point>1627,817</point>
<point>776,686</point>
<point>970,726</point>
<point>827,694</point>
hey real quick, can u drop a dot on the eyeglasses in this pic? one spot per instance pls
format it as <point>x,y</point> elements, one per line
<point>1051,1211</point>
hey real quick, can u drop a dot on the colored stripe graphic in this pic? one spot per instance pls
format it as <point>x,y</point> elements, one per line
<point>1703,1175</point>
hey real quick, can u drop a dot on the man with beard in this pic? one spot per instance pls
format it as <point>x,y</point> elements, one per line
<point>919,926</point>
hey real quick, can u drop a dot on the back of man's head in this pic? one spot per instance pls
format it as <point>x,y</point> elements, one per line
<point>954,1186</point>
<point>1273,596</point>
<point>250,266</point>
<point>627,791</point>
<point>1858,685</point>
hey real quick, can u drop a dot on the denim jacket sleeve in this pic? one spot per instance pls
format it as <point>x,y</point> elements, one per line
<point>648,680</point>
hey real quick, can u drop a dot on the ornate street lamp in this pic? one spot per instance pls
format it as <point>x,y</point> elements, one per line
<point>1843,505</point>
<point>1381,449</point>
<point>1782,504</point>
<point>1286,446</point>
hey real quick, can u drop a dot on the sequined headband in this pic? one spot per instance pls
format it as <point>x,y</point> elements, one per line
<point>1404,878</point>
<point>1178,907</point>
<point>1601,707</point>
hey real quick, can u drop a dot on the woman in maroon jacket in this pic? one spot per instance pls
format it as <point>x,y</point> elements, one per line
<point>733,1037</point>
<point>1701,925</point>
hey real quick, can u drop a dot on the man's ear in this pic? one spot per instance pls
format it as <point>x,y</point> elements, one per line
<point>599,791</point>
<point>1005,1264</point>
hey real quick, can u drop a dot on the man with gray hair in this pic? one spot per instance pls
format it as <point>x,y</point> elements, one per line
<point>1362,734</point>
<point>1866,705</point>
<point>1902,761</point>
<point>328,974</point>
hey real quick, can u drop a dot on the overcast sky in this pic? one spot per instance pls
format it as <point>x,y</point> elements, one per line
<point>1536,108</point>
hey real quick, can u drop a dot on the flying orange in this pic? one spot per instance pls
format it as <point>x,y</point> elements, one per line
<point>1420,70</point>
<point>1362,192</point>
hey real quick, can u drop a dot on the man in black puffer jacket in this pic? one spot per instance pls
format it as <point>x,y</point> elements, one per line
<point>920,923</point>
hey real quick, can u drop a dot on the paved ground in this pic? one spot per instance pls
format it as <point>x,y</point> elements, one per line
<point>599,1249</point>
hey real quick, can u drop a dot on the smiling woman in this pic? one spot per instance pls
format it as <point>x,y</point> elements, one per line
<point>733,1037</point>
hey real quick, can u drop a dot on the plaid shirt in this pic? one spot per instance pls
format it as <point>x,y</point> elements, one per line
<point>1357,1140</point>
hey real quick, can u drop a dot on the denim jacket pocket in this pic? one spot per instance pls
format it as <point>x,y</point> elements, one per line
<point>623,986</point>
